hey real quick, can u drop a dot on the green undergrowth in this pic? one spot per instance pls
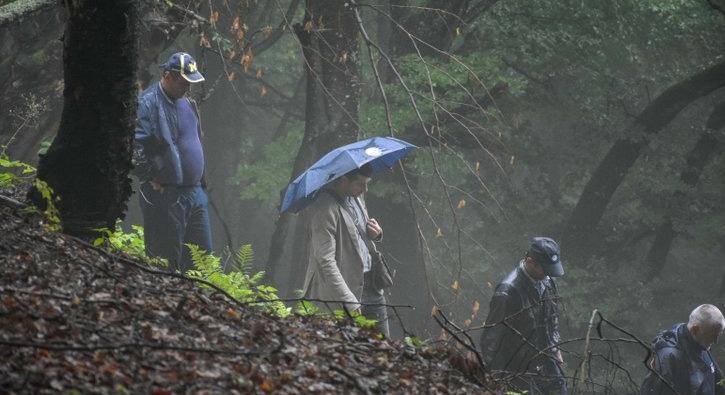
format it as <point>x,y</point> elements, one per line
<point>239,283</point>
<point>16,174</point>
<point>305,308</point>
<point>131,243</point>
<point>50,212</point>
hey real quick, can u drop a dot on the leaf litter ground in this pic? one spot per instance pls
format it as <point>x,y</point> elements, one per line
<point>75,319</point>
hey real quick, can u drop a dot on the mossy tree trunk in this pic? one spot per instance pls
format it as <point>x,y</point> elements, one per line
<point>87,164</point>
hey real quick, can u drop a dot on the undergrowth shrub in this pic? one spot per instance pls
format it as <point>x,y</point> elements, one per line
<point>239,283</point>
<point>131,243</point>
<point>15,174</point>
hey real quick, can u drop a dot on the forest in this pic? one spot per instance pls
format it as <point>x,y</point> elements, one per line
<point>599,124</point>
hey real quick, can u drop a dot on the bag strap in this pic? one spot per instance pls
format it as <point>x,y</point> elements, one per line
<point>371,246</point>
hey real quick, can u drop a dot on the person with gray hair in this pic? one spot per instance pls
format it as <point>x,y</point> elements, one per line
<point>682,362</point>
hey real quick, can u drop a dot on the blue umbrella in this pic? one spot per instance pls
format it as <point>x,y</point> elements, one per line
<point>380,152</point>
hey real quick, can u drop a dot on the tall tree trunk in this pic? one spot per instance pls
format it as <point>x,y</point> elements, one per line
<point>87,164</point>
<point>329,40</point>
<point>611,171</point>
<point>705,149</point>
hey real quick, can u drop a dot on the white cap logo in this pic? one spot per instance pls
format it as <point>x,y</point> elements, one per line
<point>554,258</point>
<point>373,151</point>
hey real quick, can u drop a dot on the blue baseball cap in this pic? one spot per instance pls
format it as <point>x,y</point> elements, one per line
<point>545,251</point>
<point>185,65</point>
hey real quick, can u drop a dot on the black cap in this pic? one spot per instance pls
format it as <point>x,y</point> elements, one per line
<point>545,251</point>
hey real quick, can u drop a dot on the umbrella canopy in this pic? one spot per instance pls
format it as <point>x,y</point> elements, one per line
<point>380,152</point>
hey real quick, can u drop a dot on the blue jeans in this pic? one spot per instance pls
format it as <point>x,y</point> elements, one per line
<point>172,218</point>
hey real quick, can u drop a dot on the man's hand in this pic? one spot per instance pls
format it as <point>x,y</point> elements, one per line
<point>156,186</point>
<point>374,229</point>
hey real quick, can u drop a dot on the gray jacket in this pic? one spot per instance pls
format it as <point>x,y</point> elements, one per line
<point>334,265</point>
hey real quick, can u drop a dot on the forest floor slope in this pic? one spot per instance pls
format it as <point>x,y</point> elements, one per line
<point>77,319</point>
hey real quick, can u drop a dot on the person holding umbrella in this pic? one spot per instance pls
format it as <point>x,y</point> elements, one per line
<point>338,233</point>
<point>343,263</point>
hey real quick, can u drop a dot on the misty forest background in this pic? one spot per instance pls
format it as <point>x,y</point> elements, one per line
<point>597,123</point>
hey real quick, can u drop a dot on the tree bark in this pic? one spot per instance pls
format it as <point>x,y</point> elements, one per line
<point>330,47</point>
<point>606,178</point>
<point>87,164</point>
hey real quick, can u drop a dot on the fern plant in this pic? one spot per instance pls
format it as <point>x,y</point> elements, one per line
<point>306,308</point>
<point>240,283</point>
<point>131,243</point>
<point>357,318</point>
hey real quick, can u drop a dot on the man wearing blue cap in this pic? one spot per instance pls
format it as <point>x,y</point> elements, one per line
<point>169,162</point>
<point>521,334</point>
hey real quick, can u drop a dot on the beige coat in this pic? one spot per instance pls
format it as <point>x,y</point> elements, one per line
<point>334,266</point>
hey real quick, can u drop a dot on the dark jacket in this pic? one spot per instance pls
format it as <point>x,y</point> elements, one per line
<point>519,324</point>
<point>686,365</point>
<point>155,153</point>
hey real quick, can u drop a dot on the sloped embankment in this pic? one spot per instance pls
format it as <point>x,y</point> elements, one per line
<point>74,318</point>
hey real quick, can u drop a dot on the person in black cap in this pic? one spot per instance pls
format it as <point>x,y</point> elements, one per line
<point>521,334</point>
<point>169,162</point>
